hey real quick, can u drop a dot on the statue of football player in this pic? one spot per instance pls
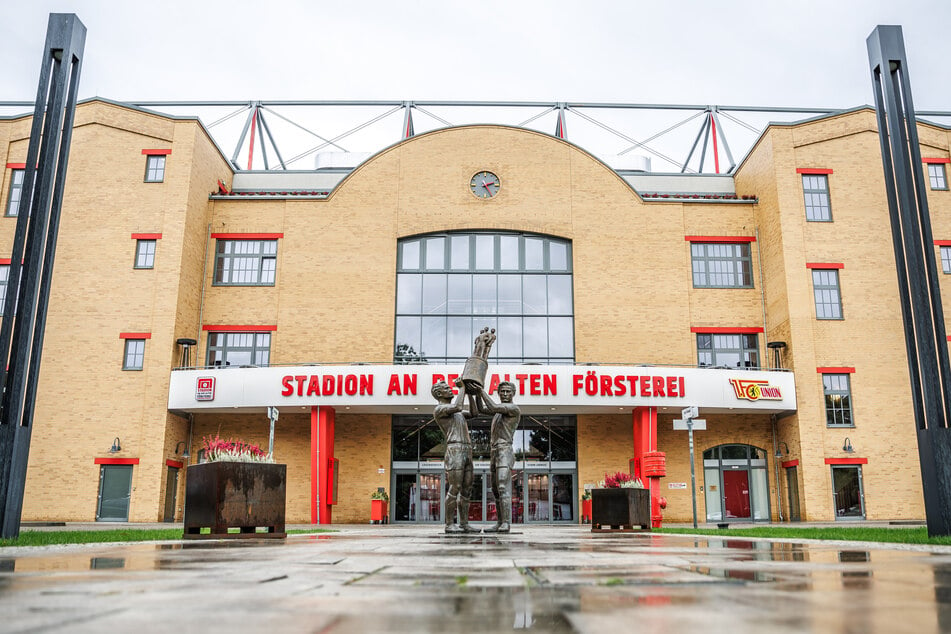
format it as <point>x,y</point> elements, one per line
<point>451,418</point>
<point>504,423</point>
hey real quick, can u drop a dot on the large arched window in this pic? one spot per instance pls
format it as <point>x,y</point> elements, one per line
<point>451,285</point>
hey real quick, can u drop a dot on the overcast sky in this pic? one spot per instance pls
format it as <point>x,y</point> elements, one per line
<point>733,52</point>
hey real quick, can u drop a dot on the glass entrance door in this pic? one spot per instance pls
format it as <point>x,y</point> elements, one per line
<point>847,492</point>
<point>115,491</point>
<point>417,497</point>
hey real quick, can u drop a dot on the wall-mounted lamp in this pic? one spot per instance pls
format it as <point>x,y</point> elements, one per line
<point>116,448</point>
<point>180,444</point>
<point>847,446</point>
<point>779,449</point>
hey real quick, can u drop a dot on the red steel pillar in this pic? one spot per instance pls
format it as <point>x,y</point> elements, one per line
<point>649,464</point>
<point>321,464</point>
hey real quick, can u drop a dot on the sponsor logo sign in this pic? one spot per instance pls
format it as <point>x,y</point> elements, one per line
<point>205,388</point>
<point>756,390</point>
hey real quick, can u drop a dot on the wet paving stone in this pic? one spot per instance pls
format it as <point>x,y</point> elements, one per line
<point>411,579</point>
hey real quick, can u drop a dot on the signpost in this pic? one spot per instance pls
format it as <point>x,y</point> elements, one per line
<point>689,421</point>
<point>272,413</point>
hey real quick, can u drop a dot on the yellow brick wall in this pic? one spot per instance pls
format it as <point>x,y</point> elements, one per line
<point>333,300</point>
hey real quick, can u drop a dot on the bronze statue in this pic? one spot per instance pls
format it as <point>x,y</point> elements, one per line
<point>451,419</point>
<point>504,423</point>
<point>473,374</point>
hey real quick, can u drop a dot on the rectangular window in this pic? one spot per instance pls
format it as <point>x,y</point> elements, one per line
<point>245,262</point>
<point>4,278</point>
<point>937,176</point>
<point>154,168</point>
<point>134,354</point>
<point>735,350</point>
<point>825,285</point>
<point>239,348</point>
<point>946,259</point>
<point>838,397</point>
<point>16,191</point>
<point>815,189</point>
<point>721,265</point>
<point>144,254</point>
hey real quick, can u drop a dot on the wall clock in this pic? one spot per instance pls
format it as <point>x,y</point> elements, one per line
<point>485,184</point>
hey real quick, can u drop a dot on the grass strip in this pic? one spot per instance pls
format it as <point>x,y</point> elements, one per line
<point>53,538</point>
<point>912,535</point>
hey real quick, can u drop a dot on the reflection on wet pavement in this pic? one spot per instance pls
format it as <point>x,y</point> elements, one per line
<point>412,579</point>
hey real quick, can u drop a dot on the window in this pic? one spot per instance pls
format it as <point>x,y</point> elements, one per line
<point>825,286</point>
<point>16,191</point>
<point>450,286</point>
<point>154,168</point>
<point>937,176</point>
<point>134,354</point>
<point>815,189</point>
<point>721,265</point>
<point>144,254</point>
<point>838,396</point>
<point>245,262</point>
<point>4,279</point>
<point>946,259</point>
<point>728,350</point>
<point>239,348</point>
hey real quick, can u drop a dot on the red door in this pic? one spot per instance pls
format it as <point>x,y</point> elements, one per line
<point>736,493</point>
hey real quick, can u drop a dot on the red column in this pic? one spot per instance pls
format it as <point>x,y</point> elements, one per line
<point>645,442</point>
<point>321,459</point>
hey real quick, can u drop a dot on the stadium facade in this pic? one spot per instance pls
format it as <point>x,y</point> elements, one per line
<point>190,297</point>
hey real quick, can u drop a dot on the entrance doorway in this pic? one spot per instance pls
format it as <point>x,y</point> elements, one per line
<point>536,497</point>
<point>736,484</point>
<point>848,497</point>
<point>115,491</point>
<point>792,489</point>
<point>544,477</point>
<point>171,490</point>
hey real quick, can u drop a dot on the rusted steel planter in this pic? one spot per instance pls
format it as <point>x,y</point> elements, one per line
<point>243,495</point>
<point>620,509</point>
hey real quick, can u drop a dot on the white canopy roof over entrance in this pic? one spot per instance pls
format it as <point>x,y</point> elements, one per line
<point>540,389</point>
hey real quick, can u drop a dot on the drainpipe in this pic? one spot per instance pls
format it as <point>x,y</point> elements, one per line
<point>776,456</point>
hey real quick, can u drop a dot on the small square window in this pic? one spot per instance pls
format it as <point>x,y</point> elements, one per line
<point>825,286</point>
<point>155,168</point>
<point>936,175</point>
<point>815,190</point>
<point>144,254</point>
<point>134,354</point>
<point>16,192</point>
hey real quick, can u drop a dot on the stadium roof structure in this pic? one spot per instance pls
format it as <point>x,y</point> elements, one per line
<point>285,135</point>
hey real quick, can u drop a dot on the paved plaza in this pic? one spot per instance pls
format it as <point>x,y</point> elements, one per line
<point>394,578</point>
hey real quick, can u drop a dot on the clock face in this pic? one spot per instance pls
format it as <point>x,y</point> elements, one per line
<point>485,185</point>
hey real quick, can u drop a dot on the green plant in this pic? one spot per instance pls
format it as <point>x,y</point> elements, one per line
<point>380,495</point>
<point>586,495</point>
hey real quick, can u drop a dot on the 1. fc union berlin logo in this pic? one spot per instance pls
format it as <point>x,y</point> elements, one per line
<point>753,390</point>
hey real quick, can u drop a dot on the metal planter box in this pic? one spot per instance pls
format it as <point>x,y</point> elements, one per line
<point>620,509</point>
<point>245,495</point>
